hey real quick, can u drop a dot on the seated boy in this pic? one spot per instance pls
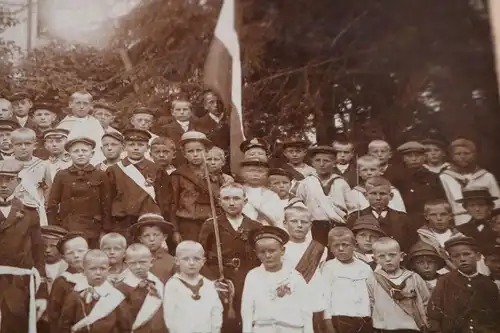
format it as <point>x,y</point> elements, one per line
<point>54,142</point>
<point>424,260</point>
<point>435,155</point>
<point>112,149</point>
<point>114,245</point>
<point>275,296</point>
<point>143,291</point>
<point>369,166</point>
<point>348,303</point>
<point>396,291</point>
<point>295,153</point>
<point>461,289</point>
<point>152,230</point>
<point>89,207</point>
<point>94,304</point>
<point>188,293</point>
<point>345,167</point>
<point>366,231</point>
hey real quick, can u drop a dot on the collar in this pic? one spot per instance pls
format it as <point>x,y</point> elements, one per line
<point>468,276</point>
<point>7,202</point>
<point>65,158</point>
<point>75,169</point>
<point>237,222</point>
<point>127,161</point>
<point>404,275</point>
<point>103,290</point>
<point>215,118</point>
<point>382,214</point>
<point>133,281</point>
<point>183,123</point>
<point>5,153</point>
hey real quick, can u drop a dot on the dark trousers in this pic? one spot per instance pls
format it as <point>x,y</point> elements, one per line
<point>190,228</point>
<point>344,324</point>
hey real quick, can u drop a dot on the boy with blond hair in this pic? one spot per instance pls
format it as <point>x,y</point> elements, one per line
<point>114,245</point>
<point>383,152</point>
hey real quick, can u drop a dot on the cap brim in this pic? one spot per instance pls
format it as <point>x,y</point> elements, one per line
<point>463,200</point>
<point>206,142</point>
<point>166,227</point>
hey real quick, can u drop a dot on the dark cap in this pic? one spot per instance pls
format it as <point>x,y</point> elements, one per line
<point>322,150</point>
<point>368,222</point>
<point>411,146</point>
<point>59,132</point>
<point>268,232</point>
<point>144,110</point>
<point>460,240</point>
<point>84,140</point>
<point>296,142</point>
<point>254,143</point>
<point>53,231</point>
<point>280,172</point>
<point>473,192</point>
<point>150,220</point>
<point>135,134</point>
<point>8,125</point>
<point>420,249</point>
<point>19,96</point>
<point>104,105</point>
<point>45,105</point>
<point>115,135</point>
<point>11,167</point>
<point>66,238</point>
<point>436,142</point>
<point>254,162</point>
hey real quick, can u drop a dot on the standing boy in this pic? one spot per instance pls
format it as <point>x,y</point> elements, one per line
<point>182,121</point>
<point>44,116</point>
<point>435,155</point>
<point>345,166</point>
<point>366,231</point>
<point>7,126</point>
<point>106,115</point>
<point>214,123</point>
<point>54,142</point>
<point>295,153</point>
<point>115,245</point>
<point>22,104</point>
<point>113,144</point>
<point>280,182</point>
<point>424,260</point>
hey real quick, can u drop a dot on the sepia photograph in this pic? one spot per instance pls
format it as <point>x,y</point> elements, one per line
<point>249,166</point>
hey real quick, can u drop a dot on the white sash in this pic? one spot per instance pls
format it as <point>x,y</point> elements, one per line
<point>104,306</point>
<point>30,187</point>
<point>133,173</point>
<point>150,305</point>
<point>33,273</point>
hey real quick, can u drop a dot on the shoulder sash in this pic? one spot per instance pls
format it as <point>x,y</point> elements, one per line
<point>137,177</point>
<point>310,260</point>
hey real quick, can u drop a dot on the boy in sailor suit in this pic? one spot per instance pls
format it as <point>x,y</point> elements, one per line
<point>143,291</point>
<point>94,305</point>
<point>192,303</point>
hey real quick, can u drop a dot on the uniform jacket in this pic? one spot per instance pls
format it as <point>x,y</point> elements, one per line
<point>218,133</point>
<point>350,174</point>
<point>163,265</point>
<point>484,237</point>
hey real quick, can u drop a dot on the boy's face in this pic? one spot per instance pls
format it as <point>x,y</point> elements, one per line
<point>181,110</point>
<point>463,157</point>
<point>142,121</point>
<point>426,267</point>
<point>43,118</point>
<point>136,149</point>
<point>495,224</point>
<point>369,170</point>
<point>434,155</point>
<point>96,270</point>
<point>23,148</point>
<point>153,237</point>
<point>162,155</point>
<point>388,257</point>
<point>74,251</point>
<point>323,163</point>
<point>280,185</point>
<point>414,159</point>
<point>383,153</point>
<point>52,255</point>
<point>22,107</point>
<point>438,217</point>
<point>379,196</point>
<point>115,251</point>
<point>80,105</point>
<point>493,263</point>
<point>342,248</point>
<point>254,175</point>
<point>345,153</point>
<point>365,239</point>
<point>104,116</point>
<point>111,148</point>
<point>465,258</point>
<point>215,160</point>
<point>5,109</point>
<point>190,261</point>
<point>232,200</point>
<point>295,155</point>
<point>5,142</point>
<point>8,184</point>
<point>256,153</point>
<point>479,209</point>
<point>298,225</point>
<point>81,153</point>
<point>193,152</point>
<point>139,263</point>
<point>210,104</point>
<point>269,251</point>
<point>55,144</point>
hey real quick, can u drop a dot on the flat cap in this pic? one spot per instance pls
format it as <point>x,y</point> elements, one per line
<point>254,143</point>
<point>191,136</point>
<point>84,140</point>
<point>45,105</point>
<point>19,96</point>
<point>411,146</point>
<point>420,249</point>
<point>135,134</point>
<point>268,232</point>
<point>115,135</point>
<point>105,106</point>
<point>144,110</point>
<point>11,167</point>
<point>254,162</point>
<point>322,150</point>
<point>296,142</point>
<point>460,240</point>
<point>53,231</point>
<point>57,132</point>
<point>435,142</point>
<point>8,125</point>
<point>66,238</point>
<point>368,222</point>
<point>150,220</point>
<point>476,192</point>
<point>280,172</point>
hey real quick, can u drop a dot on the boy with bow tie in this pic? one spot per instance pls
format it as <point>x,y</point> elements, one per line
<point>95,305</point>
<point>79,198</point>
<point>54,142</point>
<point>143,291</point>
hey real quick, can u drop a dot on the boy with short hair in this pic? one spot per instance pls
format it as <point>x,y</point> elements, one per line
<point>396,290</point>
<point>59,159</point>
<point>115,245</point>
<point>366,231</point>
<point>7,126</point>
<point>464,300</point>
<point>345,277</point>
<point>88,211</point>
<point>255,148</point>
<point>6,110</point>
<point>22,104</point>
<point>94,304</point>
<point>113,144</point>
<point>188,292</point>
<point>44,116</point>
<point>424,260</point>
<point>143,118</point>
<point>152,231</point>
<point>182,122</point>
<point>54,263</point>
<point>382,151</point>
<point>275,296</point>
<point>163,153</point>
<point>106,114</point>
<point>216,161</point>
<point>435,155</point>
<point>295,153</point>
<point>280,182</point>
<point>143,291</point>
<point>344,166</point>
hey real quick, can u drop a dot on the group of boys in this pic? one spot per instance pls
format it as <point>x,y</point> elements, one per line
<point>143,231</point>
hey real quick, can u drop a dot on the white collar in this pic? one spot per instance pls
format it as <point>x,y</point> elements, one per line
<point>382,214</point>
<point>133,281</point>
<point>236,223</point>
<point>103,290</point>
<point>468,276</point>
<point>8,199</point>
<point>215,118</point>
<point>22,118</point>
<point>183,123</point>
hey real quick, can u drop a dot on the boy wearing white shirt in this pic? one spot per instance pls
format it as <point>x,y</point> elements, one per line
<point>54,142</point>
<point>191,301</point>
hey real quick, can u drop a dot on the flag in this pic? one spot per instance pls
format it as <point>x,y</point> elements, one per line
<point>223,76</point>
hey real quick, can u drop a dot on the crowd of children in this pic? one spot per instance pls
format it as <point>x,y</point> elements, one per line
<point>145,230</point>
